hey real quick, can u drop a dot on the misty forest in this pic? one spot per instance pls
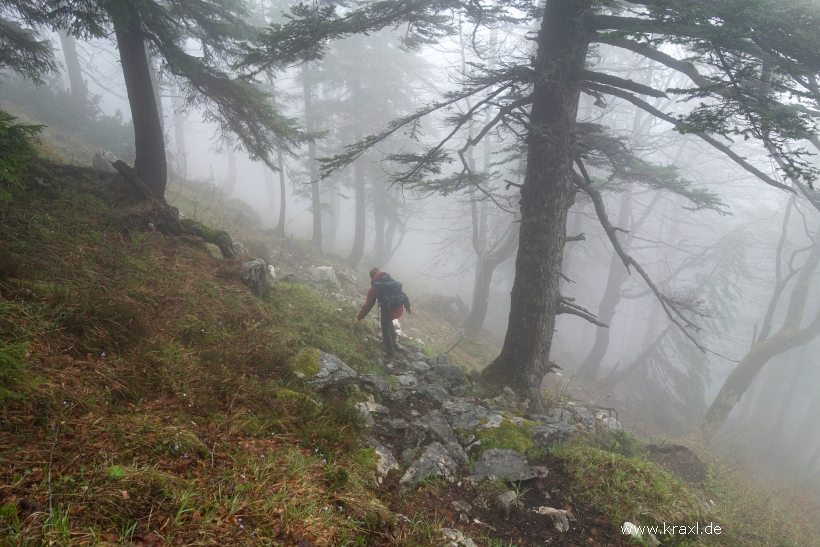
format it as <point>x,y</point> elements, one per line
<point>600,321</point>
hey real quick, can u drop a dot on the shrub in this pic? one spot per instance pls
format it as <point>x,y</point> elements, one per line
<point>18,157</point>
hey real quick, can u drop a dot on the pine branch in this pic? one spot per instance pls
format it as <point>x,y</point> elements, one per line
<point>643,105</point>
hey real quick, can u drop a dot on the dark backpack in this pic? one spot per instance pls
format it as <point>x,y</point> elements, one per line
<point>388,291</point>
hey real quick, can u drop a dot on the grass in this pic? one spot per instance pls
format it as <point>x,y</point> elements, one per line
<point>147,400</point>
<point>628,489</point>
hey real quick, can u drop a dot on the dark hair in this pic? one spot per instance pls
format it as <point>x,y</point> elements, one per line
<point>373,272</point>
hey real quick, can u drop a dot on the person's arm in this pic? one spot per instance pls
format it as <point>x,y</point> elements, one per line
<point>407,303</point>
<point>368,304</point>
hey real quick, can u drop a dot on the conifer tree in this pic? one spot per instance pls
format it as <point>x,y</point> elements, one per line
<point>749,69</point>
<point>165,30</point>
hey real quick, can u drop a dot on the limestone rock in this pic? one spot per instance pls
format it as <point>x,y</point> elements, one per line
<point>406,380</point>
<point>271,273</point>
<point>551,434</point>
<point>453,374</point>
<point>464,416</point>
<point>433,462</point>
<point>333,372</point>
<point>369,422</point>
<point>399,396</point>
<point>240,248</point>
<point>506,465</point>
<point>434,394</point>
<point>375,408</point>
<point>377,384</point>
<point>583,418</point>
<point>385,462</point>
<point>254,275</point>
<point>507,501</point>
<point>560,517</point>
<point>454,538</point>
<point>326,275</point>
<point>346,276</point>
<point>419,367</point>
<point>432,426</point>
<point>396,424</point>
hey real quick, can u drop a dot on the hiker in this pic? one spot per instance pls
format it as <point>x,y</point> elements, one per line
<point>392,302</point>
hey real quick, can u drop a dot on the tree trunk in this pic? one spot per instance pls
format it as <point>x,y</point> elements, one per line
<point>361,213</point>
<point>280,164</point>
<point>546,195</point>
<point>179,140</point>
<point>149,163</point>
<point>270,188</point>
<point>485,268</point>
<point>315,196</point>
<point>788,337</point>
<point>230,184</point>
<point>776,431</point>
<point>379,223</point>
<point>72,64</point>
<point>335,215</point>
<point>155,83</point>
<point>484,271</point>
<point>609,302</point>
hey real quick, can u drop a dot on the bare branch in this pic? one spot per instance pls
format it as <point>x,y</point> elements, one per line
<point>675,315</point>
<point>566,305</point>
<point>622,83</point>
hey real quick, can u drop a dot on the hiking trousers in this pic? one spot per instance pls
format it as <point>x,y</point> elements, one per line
<point>388,330</point>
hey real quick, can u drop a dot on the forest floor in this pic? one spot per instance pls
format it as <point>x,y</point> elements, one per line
<point>146,398</point>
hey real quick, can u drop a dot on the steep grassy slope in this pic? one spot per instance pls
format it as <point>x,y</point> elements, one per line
<point>146,398</point>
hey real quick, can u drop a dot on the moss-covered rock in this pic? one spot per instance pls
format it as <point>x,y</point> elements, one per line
<point>510,435</point>
<point>305,363</point>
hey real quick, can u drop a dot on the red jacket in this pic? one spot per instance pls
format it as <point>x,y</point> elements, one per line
<point>371,301</point>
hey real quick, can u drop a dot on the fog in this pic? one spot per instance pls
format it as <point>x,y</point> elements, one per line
<point>715,239</point>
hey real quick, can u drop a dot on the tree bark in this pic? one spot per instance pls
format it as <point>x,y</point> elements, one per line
<point>149,143</point>
<point>315,196</point>
<point>788,337</point>
<point>155,83</point>
<point>546,195</point>
<point>79,92</point>
<point>280,163</point>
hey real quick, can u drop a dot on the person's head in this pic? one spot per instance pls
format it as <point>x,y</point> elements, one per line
<point>373,272</point>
